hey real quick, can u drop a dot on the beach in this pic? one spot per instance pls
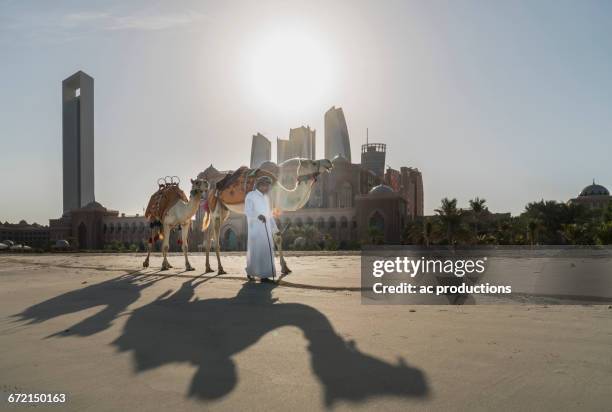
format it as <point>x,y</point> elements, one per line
<point>112,336</point>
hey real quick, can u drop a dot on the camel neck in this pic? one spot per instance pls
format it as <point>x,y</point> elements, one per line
<point>194,203</point>
<point>291,200</point>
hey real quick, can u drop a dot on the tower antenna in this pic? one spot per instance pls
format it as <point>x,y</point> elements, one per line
<point>367,135</point>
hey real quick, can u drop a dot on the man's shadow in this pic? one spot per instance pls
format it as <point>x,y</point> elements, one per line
<point>178,327</point>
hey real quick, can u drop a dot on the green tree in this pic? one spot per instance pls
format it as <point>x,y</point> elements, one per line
<point>376,236</point>
<point>450,217</point>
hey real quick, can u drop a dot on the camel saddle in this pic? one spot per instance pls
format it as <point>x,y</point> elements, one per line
<point>163,200</point>
<point>233,187</point>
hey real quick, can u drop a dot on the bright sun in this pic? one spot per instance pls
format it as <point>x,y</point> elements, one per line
<point>288,70</point>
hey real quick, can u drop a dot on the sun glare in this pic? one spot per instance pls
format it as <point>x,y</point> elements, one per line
<point>288,70</point>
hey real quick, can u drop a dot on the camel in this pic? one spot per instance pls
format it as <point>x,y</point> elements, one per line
<point>178,214</point>
<point>301,173</point>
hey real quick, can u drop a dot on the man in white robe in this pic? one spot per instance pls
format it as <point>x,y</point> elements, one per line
<point>260,226</point>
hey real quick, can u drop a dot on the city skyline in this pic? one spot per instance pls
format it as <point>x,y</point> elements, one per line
<point>504,123</point>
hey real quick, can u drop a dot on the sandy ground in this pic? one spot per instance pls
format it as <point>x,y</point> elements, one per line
<point>113,337</point>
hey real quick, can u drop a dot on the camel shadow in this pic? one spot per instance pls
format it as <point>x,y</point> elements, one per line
<point>177,327</point>
<point>114,294</point>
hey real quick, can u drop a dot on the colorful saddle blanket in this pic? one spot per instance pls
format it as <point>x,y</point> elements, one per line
<point>162,200</point>
<point>233,188</point>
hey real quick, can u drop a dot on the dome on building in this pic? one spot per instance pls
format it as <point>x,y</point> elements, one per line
<point>93,205</point>
<point>595,190</point>
<point>267,164</point>
<point>209,172</point>
<point>380,189</point>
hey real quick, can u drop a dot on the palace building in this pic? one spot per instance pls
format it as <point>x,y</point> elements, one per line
<point>347,204</point>
<point>593,196</point>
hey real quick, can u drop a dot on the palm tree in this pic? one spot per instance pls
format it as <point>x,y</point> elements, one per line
<point>478,207</point>
<point>427,231</point>
<point>534,226</point>
<point>450,217</point>
<point>571,232</point>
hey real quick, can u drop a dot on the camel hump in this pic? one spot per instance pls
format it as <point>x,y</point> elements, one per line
<point>233,188</point>
<point>162,200</point>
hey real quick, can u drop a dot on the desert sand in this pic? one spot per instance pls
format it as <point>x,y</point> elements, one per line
<point>112,336</point>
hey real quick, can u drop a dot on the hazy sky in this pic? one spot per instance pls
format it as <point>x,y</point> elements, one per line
<point>510,101</point>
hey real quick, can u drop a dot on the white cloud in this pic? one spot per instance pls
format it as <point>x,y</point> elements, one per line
<point>67,25</point>
<point>77,18</point>
<point>152,22</point>
<point>136,21</point>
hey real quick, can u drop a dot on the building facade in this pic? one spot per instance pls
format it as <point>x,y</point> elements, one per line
<point>408,181</point>
<point>261,150</point>
<point>23,233</point>
<point>301,143</point>
<point>344,205</point>
<point>78,140</point>
<point>593,196</point>
<point>373,157</point>
<point>337,142</point>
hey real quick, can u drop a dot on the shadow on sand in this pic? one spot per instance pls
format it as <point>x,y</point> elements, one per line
<point>114,294</point>
<point>178,327</point>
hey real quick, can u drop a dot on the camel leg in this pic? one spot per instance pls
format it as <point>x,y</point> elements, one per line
<point>185,239</point>
<point>166,247</point>
<point>208,232</point>
<point>145,264</point>
<point>217,244</point>
<point>278,239</point>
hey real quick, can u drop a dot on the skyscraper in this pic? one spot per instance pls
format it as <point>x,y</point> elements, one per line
<point>412,189</point>
<point>261,150</point>
<point>78,140</point>
<point>301,143</point>
<point>337,140</point>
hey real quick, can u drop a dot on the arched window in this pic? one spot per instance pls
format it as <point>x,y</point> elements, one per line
<point>320,223</point>
<point>343,222</point>
<point>332,222</point>
<point>345,195</point>
<point>230,240</point>
<point>104,229</point>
